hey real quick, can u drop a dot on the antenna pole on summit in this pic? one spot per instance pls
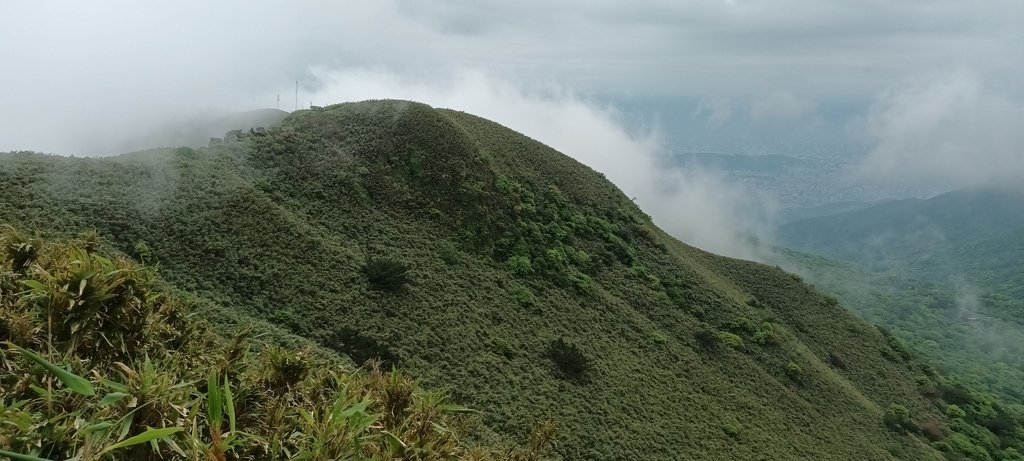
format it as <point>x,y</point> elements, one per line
<point>296,95</point>
<point>278,102</point>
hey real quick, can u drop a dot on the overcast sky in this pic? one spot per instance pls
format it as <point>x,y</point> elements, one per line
<point>932,87</point>
<point>76,62</point>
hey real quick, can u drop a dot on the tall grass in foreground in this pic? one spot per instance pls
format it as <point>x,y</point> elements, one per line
<point>97,363</point>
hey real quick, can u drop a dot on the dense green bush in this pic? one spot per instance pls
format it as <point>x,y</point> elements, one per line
<point>1012,454</point>
<point>658,337</point>
<point>742,326</point>
<point>963,447</point>
<point>524,296</point>
<point>707,339</point>
<point>520,265</point>
<point>568,358</point>
<point>362,348</point>
<point>287,318</point>
<point>955,412</point>
<point>794,372</point>
<point>386,274</point>
<point>897,418</point>
<point>448,253</point>
<point>143,251</point>
<point>956,394</point>
<point>502,347</point>
<point>20,249</point>
<point>731,429</point>
<point>896,347</point>
<point>730,340</point>
<point>767,335</point>
<point>836,359</point>
<point>581,282</point>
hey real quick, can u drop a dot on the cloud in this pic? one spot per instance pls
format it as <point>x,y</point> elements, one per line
<point>79,75</point>
<point>716,110</point>
<point>950,128</point>
<point>698,207</point>
<point>781,106</point>
<point>705,209</point>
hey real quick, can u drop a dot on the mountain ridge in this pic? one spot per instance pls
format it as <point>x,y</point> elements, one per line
<point>536,289</point>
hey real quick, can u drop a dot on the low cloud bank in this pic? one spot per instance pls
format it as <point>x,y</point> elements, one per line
<point>951,128</point>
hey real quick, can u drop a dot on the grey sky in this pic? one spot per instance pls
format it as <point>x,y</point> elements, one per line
<point>77,75</point>
<point>79,78</point>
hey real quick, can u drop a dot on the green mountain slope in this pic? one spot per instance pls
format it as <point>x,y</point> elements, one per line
<point>974,346</point>
<point>970,238</point>
<point>946,272</point>
<point>536,291</point>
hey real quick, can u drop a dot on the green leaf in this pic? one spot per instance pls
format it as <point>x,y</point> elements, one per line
<point>214,408</point>
<point>359,407</point>
<point>396,444</point>
<point>150,434</point>
<point>229,403</point>
<point>112,398</point>
<point>114,385</point>
<point>457,409</point>
<point>72,381</point>
<point>97,427</point>
<point>126,425</point>
<point>35,285</point>
<point>177,449</point>
<point>20,457</point>
<point>41,392</point>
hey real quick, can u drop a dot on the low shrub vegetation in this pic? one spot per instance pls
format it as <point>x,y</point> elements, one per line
<point>386,274</point>
<point>730,340</point>
<point>794,372</point>
<point>98,363</point>
<point>897,418</point>
<point>568,358</point>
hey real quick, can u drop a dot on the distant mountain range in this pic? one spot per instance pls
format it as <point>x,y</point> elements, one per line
<point>972,237</point>
<point>947,273</point>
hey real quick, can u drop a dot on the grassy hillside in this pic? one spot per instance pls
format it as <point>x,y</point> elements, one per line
<point>137,377</point>
<point>523,282</point>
